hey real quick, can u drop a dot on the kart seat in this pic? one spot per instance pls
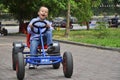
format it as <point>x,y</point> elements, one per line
<point>28,42</point>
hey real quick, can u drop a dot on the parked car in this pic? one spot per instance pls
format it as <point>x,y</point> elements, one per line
<point>73,20</point>
<point>61,22</point>
<point>113,23</point>
<point>64,24</point>
<point>57,21</point>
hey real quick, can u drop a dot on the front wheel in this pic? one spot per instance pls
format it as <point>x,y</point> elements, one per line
<point>20,68</point>
<point>67,64</point>
<point>14,57</point>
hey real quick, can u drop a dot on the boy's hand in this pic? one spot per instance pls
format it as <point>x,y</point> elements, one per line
<point>31,26</point>
<point>47,25</point>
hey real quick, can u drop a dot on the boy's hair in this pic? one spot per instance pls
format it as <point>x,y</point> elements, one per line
<point>44,7</point>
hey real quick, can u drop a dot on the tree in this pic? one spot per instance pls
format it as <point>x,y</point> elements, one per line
<point>83,10</point>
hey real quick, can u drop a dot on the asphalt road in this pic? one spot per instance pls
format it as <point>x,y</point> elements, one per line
<point>89,63</point>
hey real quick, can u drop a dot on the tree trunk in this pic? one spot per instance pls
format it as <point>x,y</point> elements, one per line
<point>87,24</point>
<point>20,25</point>
<point>68,21</point>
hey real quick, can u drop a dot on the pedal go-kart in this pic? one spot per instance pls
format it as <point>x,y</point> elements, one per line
<point>20,58</point>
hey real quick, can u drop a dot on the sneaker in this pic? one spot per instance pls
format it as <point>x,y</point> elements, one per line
<point>50,49</point>
<point>31,66</point>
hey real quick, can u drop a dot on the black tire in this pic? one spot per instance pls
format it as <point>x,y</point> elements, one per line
<point>56,66</point>
<point>67,64</point>
<point>20,68</point>
<point>14,57</point>
<point>16,50</point>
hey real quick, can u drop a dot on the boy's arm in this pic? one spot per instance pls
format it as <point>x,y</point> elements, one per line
<point>28,29</point>
<point>30,26</point>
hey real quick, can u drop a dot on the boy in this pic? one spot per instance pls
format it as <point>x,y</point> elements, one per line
<point>34,39</point>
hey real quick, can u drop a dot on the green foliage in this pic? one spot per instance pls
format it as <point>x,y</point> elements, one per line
<point>22,9</point>
<point>26,9</point>
<point>95,3</point>
<point>3,9</point>
<point>82,10</point>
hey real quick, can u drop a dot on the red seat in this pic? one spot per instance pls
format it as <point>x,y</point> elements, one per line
<point>28,42</point>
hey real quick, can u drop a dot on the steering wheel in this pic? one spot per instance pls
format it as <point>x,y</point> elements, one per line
<point>39,25</point>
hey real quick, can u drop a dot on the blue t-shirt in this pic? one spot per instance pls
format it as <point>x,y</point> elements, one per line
<point>33,35</point>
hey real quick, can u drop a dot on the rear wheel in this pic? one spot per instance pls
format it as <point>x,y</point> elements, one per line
<point>67,64</point>
<point>20,68</point>
<point>56,66</point>
<point>17,47</point>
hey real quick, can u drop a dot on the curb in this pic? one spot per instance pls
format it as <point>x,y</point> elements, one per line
<point>89,45</point>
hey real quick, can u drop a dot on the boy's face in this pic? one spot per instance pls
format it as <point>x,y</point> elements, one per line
<point>43,13</point>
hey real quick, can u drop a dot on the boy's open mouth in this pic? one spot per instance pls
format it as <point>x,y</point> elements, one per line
<point>43,15</point>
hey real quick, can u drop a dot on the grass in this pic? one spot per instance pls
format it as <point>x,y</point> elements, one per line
<point>109,37</point>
